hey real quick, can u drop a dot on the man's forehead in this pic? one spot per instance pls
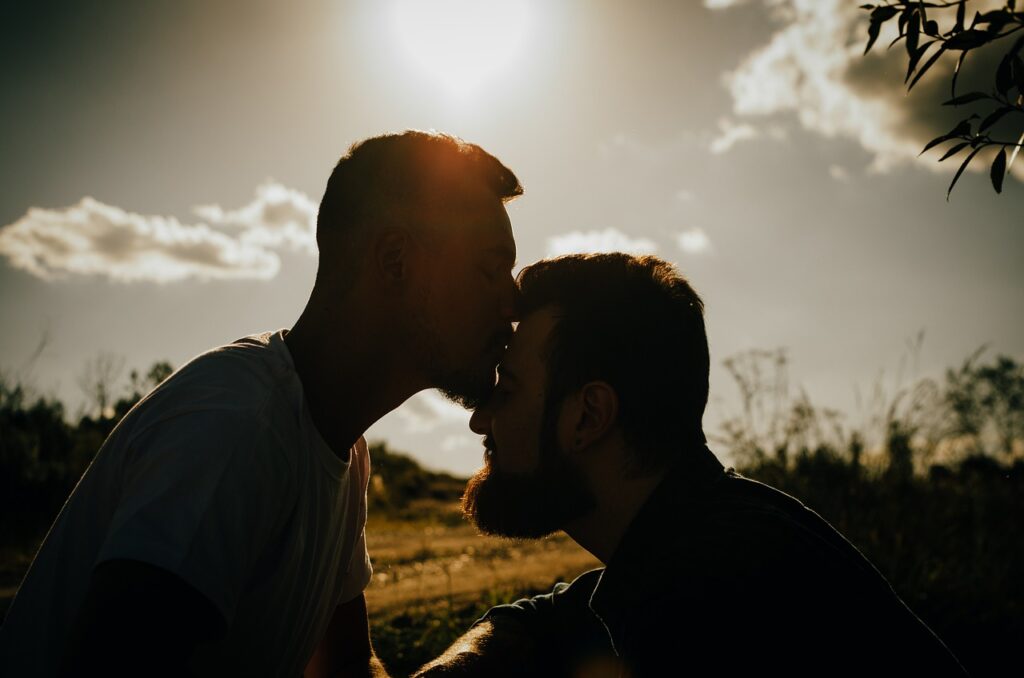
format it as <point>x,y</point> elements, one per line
<point>484,223</point>
<point>529,340</point>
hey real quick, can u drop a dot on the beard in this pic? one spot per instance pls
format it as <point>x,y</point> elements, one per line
<point>528,505</point>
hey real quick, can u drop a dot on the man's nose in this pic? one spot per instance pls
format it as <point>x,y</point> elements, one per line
<point>479,422</point>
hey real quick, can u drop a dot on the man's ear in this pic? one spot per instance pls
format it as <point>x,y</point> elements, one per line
<point>391,254</point>
<point>589,415</point>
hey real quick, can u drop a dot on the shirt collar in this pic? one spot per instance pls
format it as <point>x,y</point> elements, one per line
<point>646,554</point>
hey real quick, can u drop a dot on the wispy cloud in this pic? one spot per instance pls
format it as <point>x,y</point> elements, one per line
<point>839,173</point>
<point>693,241</point>
<point>813,67</point>
<point>427,410</point>
<point>608,240</point>
<point>730,134</point>
<point>95,239</point>
<point>722,4</point>
<point>278,216</point>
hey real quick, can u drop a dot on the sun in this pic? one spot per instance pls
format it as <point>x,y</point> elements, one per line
<point>461,43</point>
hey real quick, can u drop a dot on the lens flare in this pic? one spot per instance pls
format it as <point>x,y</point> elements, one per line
<point>461,43</point>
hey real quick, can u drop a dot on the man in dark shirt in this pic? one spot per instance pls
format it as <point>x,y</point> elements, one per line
<point>595,428</point>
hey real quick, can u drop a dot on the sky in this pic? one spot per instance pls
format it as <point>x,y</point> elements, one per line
<point>162,163</point>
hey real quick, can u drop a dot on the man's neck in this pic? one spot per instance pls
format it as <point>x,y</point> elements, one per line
<point>351,377</point>
<point>619,500</point>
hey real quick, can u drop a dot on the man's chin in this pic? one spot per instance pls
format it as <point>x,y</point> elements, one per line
<point>519,506</point>
<point>469,391</point>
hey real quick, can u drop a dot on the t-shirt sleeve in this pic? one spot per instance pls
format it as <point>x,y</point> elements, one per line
<point>204,493</point>
<point>358,576</point>
<point>357,573</point>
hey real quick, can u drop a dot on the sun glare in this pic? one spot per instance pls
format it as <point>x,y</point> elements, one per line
<point>461,43</point>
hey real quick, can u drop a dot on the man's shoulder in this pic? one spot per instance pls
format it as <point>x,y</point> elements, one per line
<point>758,511</point>
<point>239,377</point>
<point>243,390</point>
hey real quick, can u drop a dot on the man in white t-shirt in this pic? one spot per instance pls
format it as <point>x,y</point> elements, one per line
<point>220,528</point>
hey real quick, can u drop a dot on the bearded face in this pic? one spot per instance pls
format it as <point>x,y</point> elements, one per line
<point>531,504</point>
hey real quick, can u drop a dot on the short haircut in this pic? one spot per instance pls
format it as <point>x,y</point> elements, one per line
<point>396,175</point>
<point>635,323</point>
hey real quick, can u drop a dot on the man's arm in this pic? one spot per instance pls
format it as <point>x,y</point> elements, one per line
<point>138,619</point>
<point>497,647</point>
<point>345,649</point>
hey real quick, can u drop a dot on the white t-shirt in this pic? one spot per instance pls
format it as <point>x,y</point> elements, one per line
<point>220,477</point>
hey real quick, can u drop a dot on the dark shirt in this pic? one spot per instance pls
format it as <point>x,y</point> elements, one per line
<point>719,574</point>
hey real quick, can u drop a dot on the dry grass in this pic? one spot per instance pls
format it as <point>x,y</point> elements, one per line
<point>423,563</point>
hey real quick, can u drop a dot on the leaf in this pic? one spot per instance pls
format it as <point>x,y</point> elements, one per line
<point>996,19</point>
<point>962,128</point>
<point>968,39</point>
<point>933,143</point>
<point>961,171</point>
<point>913,32</point>
<point>994,117</point>
<point>956,72</point>
<point>867,6</point>
<point>884,13</point>
<point>931,28</point>
<point>956,149</point>
<point>927,65</point>
<point>998,170</point>
<point>968,98</point>
<point>915,58</point>
<point>960,9</point>
<point>872,35</point>
<point>1004,74</point>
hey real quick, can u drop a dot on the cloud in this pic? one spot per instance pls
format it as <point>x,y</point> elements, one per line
<point>427,410</point>
<point>278,216</point>
<point>722,4</point>
<point>693,241</point>
<point>92,238</point>
<point>608,240</point>
<point>95,239</point>
<point>813,67</point>
<point>839,173</point>
<point>731,134</point>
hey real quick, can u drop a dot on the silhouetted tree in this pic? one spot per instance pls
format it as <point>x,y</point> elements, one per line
<point>920,31</point>
<point>97,381</point>
<point>987,404</point>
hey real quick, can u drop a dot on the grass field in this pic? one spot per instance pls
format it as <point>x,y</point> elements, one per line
<point>435,575</point>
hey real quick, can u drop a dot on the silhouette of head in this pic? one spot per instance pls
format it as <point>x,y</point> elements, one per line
<point>424,212</point>
<point>632,325</point>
